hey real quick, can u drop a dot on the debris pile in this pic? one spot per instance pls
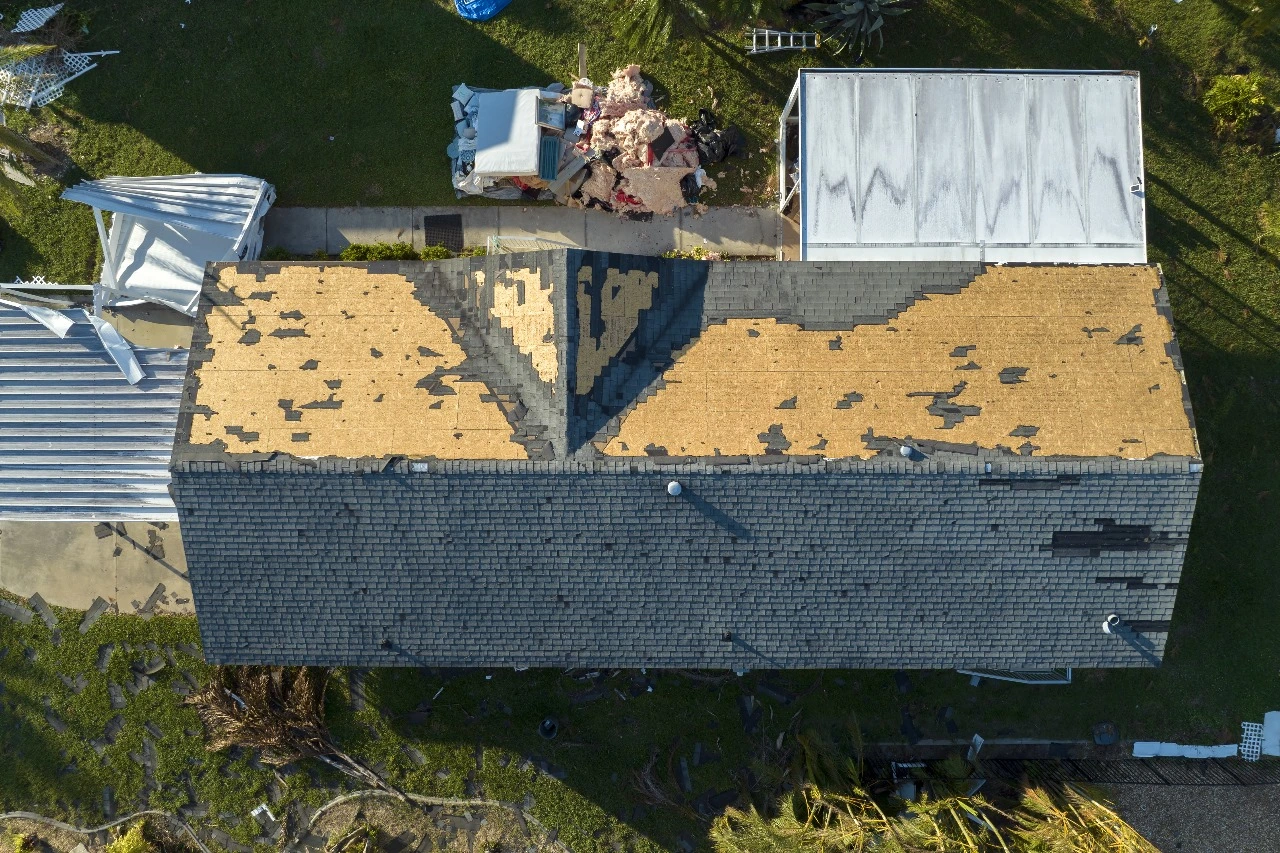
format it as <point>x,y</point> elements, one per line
<point>609,148</point>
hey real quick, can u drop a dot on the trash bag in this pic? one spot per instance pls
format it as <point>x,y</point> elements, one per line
<point>480,10</point>
<point>689,188</point>
<point>715,145</point>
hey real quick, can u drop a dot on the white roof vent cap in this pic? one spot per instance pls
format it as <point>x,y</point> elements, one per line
<point>674,488</point>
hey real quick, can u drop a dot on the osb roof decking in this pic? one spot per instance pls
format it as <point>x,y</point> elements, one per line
<point>337,361</point>
<point>1040,360</point>
<point>577,355</point>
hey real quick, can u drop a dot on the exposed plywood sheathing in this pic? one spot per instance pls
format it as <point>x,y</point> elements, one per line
<point>336,361</point>
<point>522,304</point>
<point>607,317</point>
<point>1043,361</point>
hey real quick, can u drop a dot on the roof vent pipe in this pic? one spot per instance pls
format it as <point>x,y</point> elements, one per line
<point>674,489</point>
<point>1111,625</point>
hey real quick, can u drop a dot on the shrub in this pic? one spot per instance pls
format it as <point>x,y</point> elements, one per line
<point>474,252</point>
<point>131,842</point>
<point>436,253</point>
<point>1269,220</point>
<point>851,24</point>
<point>379,252</point>
<point>1236,100</point>
<point>276,253</point>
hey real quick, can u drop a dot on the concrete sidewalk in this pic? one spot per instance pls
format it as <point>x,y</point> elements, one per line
<point>136,566</point>
<point>750,231</point>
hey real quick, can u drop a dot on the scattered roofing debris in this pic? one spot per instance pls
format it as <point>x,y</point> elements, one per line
<point>1256,740</point>
<point>606,147</point>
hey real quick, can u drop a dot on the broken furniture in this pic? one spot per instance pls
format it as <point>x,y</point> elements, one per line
<point>165,229</point>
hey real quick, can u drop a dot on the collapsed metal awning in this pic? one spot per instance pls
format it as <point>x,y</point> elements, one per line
<point>78,439</point>
<point>164,230</point>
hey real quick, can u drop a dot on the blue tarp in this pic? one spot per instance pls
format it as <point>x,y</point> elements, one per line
<point>480,10</point>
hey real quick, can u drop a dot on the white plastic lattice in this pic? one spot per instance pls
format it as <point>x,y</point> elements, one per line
<point>38,80</point>
<point>1250,741</point>
<point>34,19</point>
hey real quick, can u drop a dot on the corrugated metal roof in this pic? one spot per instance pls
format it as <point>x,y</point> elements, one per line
<point>1018,166</point>
<point>77,441</point>
<point>216,204</point>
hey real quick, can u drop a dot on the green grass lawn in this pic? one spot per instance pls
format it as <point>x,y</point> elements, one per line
<point>260,86</point>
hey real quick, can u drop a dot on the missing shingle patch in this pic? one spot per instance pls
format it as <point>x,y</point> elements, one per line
<point>374,352</point>
<point>789,403</point>
<point>971,365</point>
<point>942,407</point>
<point>836,343</point>
<point>291,315</point>
<point>753,333</point>
<point>240,433</point>
<point>1132,337</point>
<point>333,384</point>
<point>288,333</point>
<point>963,351</point>
<point>301,436</point>
<point>309,364</point>
<point>774,440</point>
<point>427,352</point>
<point>330,403</point>
<point>250,337</point>
<point>1025,431</point>
<point>847,401</point>
<point>821,445</point>
<point>1013,375</point>
<point>262,295</point>
<point>1091,332</point>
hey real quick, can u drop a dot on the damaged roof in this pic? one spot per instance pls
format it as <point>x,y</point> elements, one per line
<point>489,443</point>
<point>570,354</point>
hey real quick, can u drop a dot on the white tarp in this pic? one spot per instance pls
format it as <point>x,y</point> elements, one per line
<point>166,229</point>
<point>507,133</point>
<point>1018,166</point>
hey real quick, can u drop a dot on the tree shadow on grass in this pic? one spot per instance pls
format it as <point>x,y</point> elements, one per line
<point>322,113</point>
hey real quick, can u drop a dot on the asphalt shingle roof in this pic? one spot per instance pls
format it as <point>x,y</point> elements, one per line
<point>966,554</point>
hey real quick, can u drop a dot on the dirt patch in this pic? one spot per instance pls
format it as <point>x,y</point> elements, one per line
<point>47,837</point>
<point>456,829</point>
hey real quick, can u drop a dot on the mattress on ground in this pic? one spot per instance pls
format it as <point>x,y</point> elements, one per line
<point>507,133</point>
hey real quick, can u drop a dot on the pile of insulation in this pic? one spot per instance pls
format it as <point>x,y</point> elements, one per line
<point>617,151</point>
<point>635,160</point>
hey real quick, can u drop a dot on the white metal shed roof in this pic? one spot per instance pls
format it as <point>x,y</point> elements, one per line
<point>77,440</point>
<point>1019,166</point>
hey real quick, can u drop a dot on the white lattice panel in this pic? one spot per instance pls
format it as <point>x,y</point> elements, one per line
<point>34,19</point>
<point>1250,741</point>
<point>39,80</point>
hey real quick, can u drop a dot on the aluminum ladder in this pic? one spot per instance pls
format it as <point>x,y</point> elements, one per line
<point>770,41</point>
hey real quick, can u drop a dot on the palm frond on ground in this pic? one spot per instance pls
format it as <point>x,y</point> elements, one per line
<point>278,711</point>
<point>647,26</point>
<point>1063,820</point>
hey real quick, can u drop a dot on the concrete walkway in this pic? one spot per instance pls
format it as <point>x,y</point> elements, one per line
<point>136,566</point>
<point>749,231</point>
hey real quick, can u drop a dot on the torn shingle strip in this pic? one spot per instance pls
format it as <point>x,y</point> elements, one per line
<point>1012,375</point>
